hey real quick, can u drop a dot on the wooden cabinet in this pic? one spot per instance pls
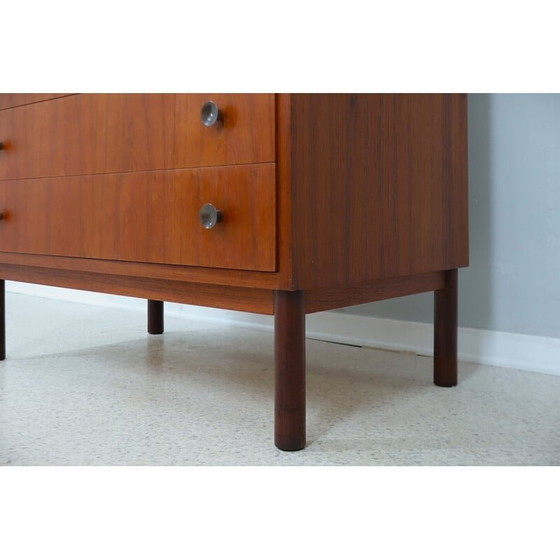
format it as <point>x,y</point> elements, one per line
<point>310,202</point>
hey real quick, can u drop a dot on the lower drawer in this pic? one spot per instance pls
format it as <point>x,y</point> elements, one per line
<point>147,217</point>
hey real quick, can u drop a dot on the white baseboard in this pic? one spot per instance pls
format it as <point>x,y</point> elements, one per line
<point>501,349</point>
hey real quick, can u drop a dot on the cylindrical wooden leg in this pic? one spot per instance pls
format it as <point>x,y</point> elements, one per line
<point>289,350</point>
<point>445,332</point>
<point>155,316</point>
<point>2,320</point>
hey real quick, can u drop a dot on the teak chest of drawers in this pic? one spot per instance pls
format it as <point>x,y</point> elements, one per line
<point>278,204</point>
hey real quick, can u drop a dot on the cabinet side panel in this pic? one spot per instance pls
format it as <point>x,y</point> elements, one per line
<point>379,186</point>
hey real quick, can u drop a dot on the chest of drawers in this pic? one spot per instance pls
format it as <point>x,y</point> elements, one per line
<point>277,204</point>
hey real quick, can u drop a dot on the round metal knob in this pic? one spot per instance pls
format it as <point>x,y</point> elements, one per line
<point>210,114</point>
<point>210,216</point>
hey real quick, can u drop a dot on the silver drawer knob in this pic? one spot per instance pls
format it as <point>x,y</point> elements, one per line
<point>210,114</point>
<point>210,216</point>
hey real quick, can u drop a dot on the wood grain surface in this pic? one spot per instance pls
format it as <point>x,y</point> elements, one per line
<point>191,274</point>
<point>9,100</point>
<point>208,295</point>
<point>146,217</point>
<point>377,186</point>
<point>107,133</point>
<point>322,299</point>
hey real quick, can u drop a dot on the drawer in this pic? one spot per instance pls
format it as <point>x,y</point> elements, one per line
<point>111,133</point>
<point>146,217</point>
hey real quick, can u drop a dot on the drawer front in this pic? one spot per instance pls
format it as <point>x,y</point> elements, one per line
<point>110,133</point>
<point>146,217</point>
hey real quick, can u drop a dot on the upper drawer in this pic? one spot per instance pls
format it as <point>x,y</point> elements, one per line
<point>107,133</point>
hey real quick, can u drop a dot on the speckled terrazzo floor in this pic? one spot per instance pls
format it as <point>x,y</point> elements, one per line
<point>85,385</point>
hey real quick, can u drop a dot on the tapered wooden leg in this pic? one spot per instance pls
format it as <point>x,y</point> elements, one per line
<point>289,350</point>
<point>445,332</point>
<point>155,316</point>
<point>2,320</point>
